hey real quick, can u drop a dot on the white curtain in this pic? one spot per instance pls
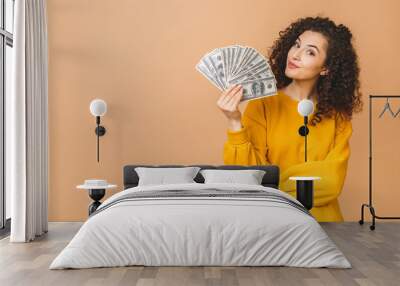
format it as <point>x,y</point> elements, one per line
<point>27,124</point>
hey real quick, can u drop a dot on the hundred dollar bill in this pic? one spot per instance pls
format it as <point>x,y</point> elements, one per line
<point>258,89</point>
<point>259,72</point>
<point>216,61</point>
<point>202,68</point>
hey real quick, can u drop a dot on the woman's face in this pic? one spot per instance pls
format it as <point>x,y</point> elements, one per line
<point>308,54</point>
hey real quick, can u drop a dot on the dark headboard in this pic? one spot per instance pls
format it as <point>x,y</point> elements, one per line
<point>270,179</point>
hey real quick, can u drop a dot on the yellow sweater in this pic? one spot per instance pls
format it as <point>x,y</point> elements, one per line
<point>270,136</point>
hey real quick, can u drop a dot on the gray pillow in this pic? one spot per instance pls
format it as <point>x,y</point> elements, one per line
<point>249,176</point>
<point>161,176</point>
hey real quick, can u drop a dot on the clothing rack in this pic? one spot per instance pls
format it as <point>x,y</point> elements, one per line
<point>370,203</point>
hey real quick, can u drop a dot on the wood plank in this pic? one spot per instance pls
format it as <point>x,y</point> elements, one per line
<point>374,255</point>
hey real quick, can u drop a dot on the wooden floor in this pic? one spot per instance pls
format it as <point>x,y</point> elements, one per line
<point>374,255</point>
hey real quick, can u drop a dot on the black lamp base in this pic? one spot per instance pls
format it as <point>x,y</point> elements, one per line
<point>305,193</point>
<point>96,195</point>
<point>303,130</point>
<point>100,130</point>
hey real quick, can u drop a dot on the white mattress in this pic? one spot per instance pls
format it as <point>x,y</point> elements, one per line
<point>183,231</point>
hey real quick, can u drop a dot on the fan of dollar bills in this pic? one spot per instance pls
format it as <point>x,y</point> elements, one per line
<point>239,65</point>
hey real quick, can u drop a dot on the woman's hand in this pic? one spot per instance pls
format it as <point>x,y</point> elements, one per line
<point>228,103</point>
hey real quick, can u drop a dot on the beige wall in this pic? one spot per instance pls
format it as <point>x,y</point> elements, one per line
<point>139,56</point>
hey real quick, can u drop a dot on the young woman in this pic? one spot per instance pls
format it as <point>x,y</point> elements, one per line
<point>313,58</point>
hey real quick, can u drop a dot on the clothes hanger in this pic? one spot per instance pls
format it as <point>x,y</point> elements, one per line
<point>397,113</point>
<point>387,107</point>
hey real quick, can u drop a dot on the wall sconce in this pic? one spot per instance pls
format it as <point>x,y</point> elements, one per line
<point>305,185</point>
<point>98,107</point>
<point>305,108</point>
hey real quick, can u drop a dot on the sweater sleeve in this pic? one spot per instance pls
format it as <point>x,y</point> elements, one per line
<point>332,169</point>
<point>248,146</point>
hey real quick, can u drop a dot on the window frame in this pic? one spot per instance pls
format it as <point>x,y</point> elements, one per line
<point>6,39</point>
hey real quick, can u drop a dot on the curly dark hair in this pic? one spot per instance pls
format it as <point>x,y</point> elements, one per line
<point>338,91</point>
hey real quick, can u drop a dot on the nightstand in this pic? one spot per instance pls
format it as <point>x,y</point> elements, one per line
<point>96,190</point>
<point>305,190</point>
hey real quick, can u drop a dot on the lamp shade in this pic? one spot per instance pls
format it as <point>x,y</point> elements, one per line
<point>305,107</point>
<point>98,107</point>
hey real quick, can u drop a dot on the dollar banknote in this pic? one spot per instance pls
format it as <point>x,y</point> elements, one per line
<point>236,64</point>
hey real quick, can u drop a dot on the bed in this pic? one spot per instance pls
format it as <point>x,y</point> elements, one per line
<point>201,224</point>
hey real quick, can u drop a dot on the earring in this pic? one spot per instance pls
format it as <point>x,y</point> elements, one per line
<point>324,73</point>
